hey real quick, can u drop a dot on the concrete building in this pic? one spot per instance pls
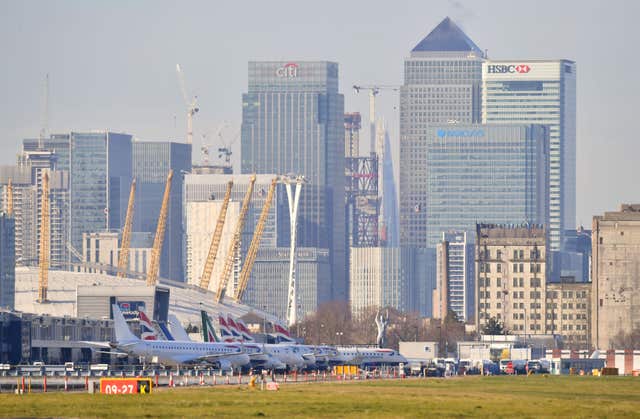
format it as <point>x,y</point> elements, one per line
<point>203,196</point>
<point>101,251</point>
<point>268,288</point>
<point>7,261</point>
<point>540,92</point>
<point>616,275</point>
<point>23,211</point>
<point>568,313</point>
<point>352,125</point>
<point>455,281</point>
<point>389,277</point>
<point>152,161</point>
<point>511,267</point>
<point>481,173</point>
<point>442,84</point>
<point>293,122</point>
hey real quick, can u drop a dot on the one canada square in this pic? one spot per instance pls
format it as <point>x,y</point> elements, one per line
<point>292,123</point>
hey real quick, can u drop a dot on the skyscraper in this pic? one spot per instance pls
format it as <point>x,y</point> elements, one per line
<point>293,122</point>
<point>442,82</point>
<point>152,161</point>
<point>7,262</point>
<point>540,92</point>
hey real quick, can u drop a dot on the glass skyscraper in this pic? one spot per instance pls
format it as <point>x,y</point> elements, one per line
<point>493,174</point>
<point>540,92</point>
<point>152,161</point>
<point>7,262</point>
<point>99,178</point>
<point>442,82</point>
<point>292,122</point>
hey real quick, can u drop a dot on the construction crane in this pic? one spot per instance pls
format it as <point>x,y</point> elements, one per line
<point>235,242</point>
<point>123,258</point>
<point>255,243</point>
<point>215,240</point>
<point>192,105</point>
<point>10,198</point>
<point>156,250</point>
<point>373,92</point>
<point>43,276</point>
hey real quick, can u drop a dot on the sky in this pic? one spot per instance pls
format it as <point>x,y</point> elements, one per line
<point>112,66</point>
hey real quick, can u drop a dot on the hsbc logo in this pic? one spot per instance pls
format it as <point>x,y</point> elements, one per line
<point>289,70</point>
<point>508,68</point>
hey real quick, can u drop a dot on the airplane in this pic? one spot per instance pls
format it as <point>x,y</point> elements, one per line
<point>278,357</point>
<point>148,332</point>
<point>366,357</point>
<point>228,356</point>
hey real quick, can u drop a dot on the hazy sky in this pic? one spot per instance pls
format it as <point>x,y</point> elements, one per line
<point>112,65</point>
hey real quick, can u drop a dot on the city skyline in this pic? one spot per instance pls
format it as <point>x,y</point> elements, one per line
<point>138,92</point>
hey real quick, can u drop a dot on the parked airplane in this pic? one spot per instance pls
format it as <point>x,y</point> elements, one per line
<point>366,357</point>
<point>148,332</point>
<point>176,352</point>
<point>278,357</point>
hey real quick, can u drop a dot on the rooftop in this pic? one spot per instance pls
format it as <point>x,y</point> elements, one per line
<point>446,37</point>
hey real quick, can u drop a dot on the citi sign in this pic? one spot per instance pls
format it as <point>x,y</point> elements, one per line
<point>508,68</point>
<point>289,70</point>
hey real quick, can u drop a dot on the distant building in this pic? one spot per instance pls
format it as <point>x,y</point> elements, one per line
<point>442,84</point>
<point>362,201</point>
<point>616,275</point>
<point>455,289</point>
<point>268,288</point>
<point>540,92</point>
<point>293,122</point>
<point>511,268</point>
<point>568,313</point>
<point>574,260</point>
<point>212,170</point>
<point>482,173</point>
<point>23,211</point>
<point>102,250</point>
<point>388,277</point>
<point>152,161</point>
<point>352,125</point>
<point>7,261</point>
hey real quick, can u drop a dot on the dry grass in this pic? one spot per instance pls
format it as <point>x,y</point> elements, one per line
<point>535,396</point>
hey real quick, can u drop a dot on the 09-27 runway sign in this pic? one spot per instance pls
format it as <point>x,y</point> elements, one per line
<point>134,385</point>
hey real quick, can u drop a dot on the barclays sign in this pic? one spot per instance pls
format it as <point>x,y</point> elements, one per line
<point>442,133</point>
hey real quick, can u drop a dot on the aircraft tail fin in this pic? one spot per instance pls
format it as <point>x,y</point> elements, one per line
<point>122,332</point>
<point>225,332</point>
<point>208,332</point>
<point>244,330</point>
<point>146,326</point>
<point>176,328</point>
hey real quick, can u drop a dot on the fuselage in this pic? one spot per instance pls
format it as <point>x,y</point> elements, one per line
<point>180,352</point>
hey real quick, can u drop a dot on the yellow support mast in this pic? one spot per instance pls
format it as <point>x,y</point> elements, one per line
<point>43,277</point>
<point>154,268</point>
<point>10,198</point>
<point>215,240</point>
<point>255,243</point>
<point>235,243</point>
<point>123,258</point>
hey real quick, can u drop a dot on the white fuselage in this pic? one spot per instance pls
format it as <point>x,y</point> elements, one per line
<point>369,356</point>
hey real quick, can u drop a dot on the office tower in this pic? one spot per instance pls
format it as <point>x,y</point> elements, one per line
<point>152,161</point>
<point>7,262</point>
<point>540,92</point>
<point>482,173</point>
<point>293,122</point>
<point>203,196</point>
<point>385,277</point>
<point>25,227</point>
<point>442,82</point>
<point>615,275</point>
<point>455,289</point>
<point>362,201</point>
<point>511,283</point>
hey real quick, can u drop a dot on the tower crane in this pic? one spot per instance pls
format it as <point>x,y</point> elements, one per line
<point>255,243</point>
<point>10,197</point>
<point>215,240</point>
<point>123,258</point>
<point>152,274</point>
<point>235,242</point>
<point>374,90</point>
<point>192,105</point>
<point>43,276</point>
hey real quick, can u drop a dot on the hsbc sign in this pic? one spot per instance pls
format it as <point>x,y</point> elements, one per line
<point>508,68</point>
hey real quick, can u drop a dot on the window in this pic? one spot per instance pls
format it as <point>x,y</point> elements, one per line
<point>521,254</point>
<point>487,282</point>
<point>515,305</point>
<point>498,295</point>
<point>499,254</point>
<point>499,281</point>
<point>498,268</point>
<point>521,282</point>
<point>515,282</point>
<point>515,254</point>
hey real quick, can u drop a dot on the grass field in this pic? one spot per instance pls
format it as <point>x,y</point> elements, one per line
<point>535,396</point>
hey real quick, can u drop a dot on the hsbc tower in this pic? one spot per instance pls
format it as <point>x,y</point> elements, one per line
<point>540,92</point>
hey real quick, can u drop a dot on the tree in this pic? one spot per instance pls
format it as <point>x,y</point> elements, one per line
<point>493,327</point>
